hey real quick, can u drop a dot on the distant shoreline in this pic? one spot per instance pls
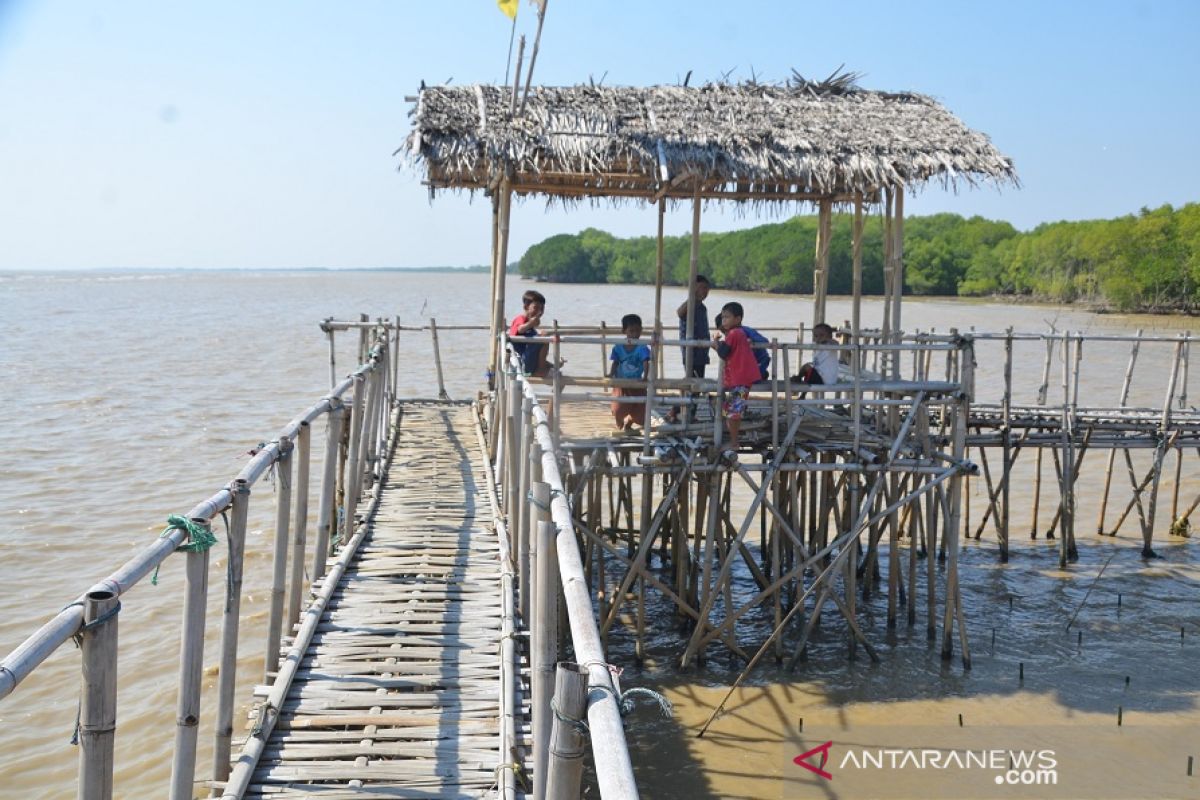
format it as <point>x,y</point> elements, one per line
<point>157,270</point>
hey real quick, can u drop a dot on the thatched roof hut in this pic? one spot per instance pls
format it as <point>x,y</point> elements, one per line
<point>747,141</point>
<point>829,142</point>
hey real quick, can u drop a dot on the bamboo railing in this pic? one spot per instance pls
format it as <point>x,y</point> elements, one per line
<point>354,457</point>
<point>527,458</point>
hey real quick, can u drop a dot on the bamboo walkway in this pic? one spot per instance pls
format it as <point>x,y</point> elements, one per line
<point>399,694</point>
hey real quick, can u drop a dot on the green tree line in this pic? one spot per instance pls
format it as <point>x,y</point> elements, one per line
<point>1149,261</point>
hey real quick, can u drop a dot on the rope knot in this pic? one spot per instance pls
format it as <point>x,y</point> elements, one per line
<point>200,538</point>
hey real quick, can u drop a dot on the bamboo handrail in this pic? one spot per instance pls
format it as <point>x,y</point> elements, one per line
<point>614,771</point>
<point>69,622</point>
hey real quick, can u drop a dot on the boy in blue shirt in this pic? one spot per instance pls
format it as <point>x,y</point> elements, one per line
<point>630,361</point>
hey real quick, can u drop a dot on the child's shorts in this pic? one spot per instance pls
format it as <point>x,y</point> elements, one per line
<point>636,411</point>
<point>736,400</point>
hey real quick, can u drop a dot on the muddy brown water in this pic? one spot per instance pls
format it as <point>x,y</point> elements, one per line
<point>132,396</point>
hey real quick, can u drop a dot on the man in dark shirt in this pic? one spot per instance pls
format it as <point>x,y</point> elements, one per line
<point>699,355</point>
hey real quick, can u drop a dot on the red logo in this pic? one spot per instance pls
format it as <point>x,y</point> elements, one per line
<point>824,751</point>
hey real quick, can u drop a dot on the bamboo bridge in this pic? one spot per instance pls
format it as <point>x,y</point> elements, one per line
<point>472,560</point>
<point>418,662</point>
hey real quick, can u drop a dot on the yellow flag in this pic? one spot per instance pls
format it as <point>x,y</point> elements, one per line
<point>509,7</point>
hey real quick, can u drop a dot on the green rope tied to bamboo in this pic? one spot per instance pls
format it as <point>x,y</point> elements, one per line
<point>200,538</point>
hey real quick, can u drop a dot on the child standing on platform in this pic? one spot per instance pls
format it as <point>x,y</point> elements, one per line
<point>630,361</point>
<point>741,370</point>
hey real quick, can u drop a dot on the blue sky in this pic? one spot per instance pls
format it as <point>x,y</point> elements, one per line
<point>157,133</point>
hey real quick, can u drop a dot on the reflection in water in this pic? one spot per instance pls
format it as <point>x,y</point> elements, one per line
<point>136,396</point>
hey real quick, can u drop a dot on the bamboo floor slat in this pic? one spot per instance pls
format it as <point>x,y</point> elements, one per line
<point>399,692</point>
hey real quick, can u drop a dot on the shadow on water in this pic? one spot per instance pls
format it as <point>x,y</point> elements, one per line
<point>1123,649</point>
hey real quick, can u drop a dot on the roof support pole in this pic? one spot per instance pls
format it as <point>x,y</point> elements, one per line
<point>494,354</point>
<point>888,272</point>
<point>821,266</point>
<point>897,268</point>
<point>500,270</point>
<point>856,323</point>
<point>693,269</point>
<point>658,288</point>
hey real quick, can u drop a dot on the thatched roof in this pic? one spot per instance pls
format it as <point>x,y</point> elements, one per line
<point>747,141</point>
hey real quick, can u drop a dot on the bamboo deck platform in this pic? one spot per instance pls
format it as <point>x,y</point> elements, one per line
<point>399,693</point>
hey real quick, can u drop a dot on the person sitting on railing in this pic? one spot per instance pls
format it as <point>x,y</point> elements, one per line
<point>823,369</point>
<point>630,361</point>
<point>533,355</point>
<point>741,371</point>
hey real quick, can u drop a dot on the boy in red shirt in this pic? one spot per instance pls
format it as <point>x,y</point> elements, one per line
<point>741,370</point>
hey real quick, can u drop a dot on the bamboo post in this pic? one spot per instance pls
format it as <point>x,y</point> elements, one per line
<point>512,111</point>
<point>857,277</point>
<point>512,465</point>
<point>1041,401</point>
<point>603,347</point>
<point>1006,432</point>
<point>332,354</point>
<point>537,40</point>
<point>98,695</point>
<point>888,243</point>
<point>931,524</point>
<point>897,271</point>
<point>191,673</point>
<point>707,590</point>
<point>564,778</point>
<point>821,265</point>
<point>495,352</point>
<point>1112,454</point>
<point>395,347</point>
<point>501,270</point>
<point>1160,452</point>
<point>545,630</point>
<point>1067,433</point>
<point>300,521</point>
<point>283,501</point>
<point>327,508</point>
<point>509,669</point>
<point>353,483</point>
<point>693,271</point>
<point>497,427</point>
<point>437,359</point>
<point>556,417</point>
<point>227,674</point>
<point>368,452</point>
<point>363,339</point>
<point>953,527</point>
<point>658,287</point>
<point>521,523</point>
<point>647,491</point>
<point>1187,357</point>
